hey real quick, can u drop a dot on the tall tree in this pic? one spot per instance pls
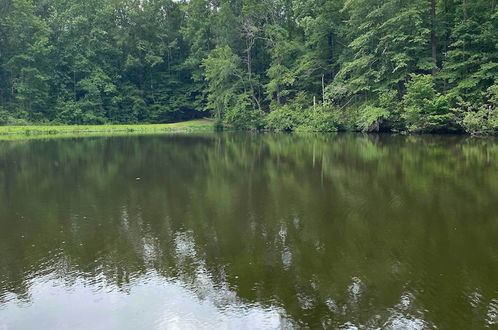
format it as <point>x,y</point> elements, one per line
<point>389,41</point>
<point>24,51</point>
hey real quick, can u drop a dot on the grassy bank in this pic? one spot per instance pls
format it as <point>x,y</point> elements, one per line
<point>20,132</point>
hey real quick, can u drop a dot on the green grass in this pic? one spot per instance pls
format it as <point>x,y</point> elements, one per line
<point>22,132</point>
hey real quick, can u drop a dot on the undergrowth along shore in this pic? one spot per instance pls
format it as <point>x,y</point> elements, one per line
<point>28,132</point>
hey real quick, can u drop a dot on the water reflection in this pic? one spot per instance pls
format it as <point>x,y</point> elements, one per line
<point>257,230</point>
<point>150,303</point>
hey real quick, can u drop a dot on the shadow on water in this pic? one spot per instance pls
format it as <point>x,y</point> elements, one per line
<point>249,230</point>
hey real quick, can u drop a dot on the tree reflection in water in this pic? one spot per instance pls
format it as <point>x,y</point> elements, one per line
<point>238,228</point>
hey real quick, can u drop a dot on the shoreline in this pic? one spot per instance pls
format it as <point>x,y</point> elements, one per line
<point>29,132</point>
<point>40,131</point>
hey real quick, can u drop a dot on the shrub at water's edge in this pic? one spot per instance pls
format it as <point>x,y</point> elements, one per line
<point>421,110</point>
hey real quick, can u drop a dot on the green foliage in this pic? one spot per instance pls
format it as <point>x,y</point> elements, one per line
<point>223,76</point>
<point>227,90</point>
<point>299,115</point>
<point>388,41</point>
<point>7,119</point>
<point>471,64</point>
<point>242,114</point>
<point>371,118</point>
<point>483,119</point>
<point>282,78</point>
<point>285,118</point>
<point>296,64</point>
<point>425,110</point>
<point>319,119</point>
<point>4,117</point>
<point>73,113</point>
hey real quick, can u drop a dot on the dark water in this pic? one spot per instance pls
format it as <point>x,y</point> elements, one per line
<point>249,231</point>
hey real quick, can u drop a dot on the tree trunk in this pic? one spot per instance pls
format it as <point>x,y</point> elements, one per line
<point>249,37</point>
<point>434,38</point>
<point>249,74</point>
<point>323,89</point>
<point>74,85</point>
<point>278,86</point>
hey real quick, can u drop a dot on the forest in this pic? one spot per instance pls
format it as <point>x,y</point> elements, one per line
<point>288,65</point>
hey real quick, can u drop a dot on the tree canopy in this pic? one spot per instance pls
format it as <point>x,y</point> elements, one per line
<point>319,65</point>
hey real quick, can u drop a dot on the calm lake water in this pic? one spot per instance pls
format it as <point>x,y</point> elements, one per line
<point>249,231</point>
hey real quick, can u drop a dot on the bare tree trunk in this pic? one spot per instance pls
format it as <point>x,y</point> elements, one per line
<point>278,86</point>
<point>250,32</point>
<point>323,89</point>
<point>249,44</point>
<point>434,38</point>
<point>74,85</point>
<point>255,98</point>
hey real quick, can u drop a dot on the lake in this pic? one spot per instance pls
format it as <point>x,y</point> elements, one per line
<point>249,231</point>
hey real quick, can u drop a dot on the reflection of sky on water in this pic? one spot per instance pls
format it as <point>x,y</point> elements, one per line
<point>153,303</point>
<point>193,300</point>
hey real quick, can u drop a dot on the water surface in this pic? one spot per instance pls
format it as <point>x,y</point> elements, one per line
<point>249,231</point>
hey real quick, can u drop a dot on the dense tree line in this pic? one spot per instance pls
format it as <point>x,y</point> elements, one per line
<point>319,65</point>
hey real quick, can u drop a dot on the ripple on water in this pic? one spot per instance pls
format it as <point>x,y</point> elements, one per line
<point>153,303</point>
